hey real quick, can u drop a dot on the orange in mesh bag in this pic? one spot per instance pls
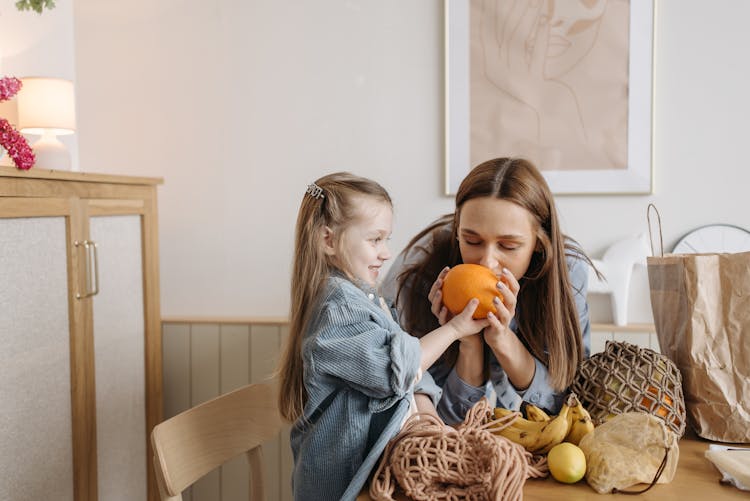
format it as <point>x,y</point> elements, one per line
<point>429,461</point>
<point>626,378</point>
<point>629,449</point>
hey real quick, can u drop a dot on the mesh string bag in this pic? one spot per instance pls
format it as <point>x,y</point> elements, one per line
<point>628,378</point>
<point>430,461</point>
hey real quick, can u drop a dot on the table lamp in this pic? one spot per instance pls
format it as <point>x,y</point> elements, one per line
<point>46,107</point>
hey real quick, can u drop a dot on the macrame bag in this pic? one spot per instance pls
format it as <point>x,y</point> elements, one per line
<point>430,461</point>
<point>628,378</point>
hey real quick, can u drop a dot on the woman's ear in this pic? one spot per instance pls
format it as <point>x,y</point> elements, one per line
<point>329,241</point>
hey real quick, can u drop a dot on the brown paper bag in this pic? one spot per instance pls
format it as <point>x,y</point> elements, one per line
<point>701,306</point>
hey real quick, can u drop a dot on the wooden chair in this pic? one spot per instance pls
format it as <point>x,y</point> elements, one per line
<point>198,440</point>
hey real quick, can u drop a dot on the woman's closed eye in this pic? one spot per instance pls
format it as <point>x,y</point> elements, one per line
<point>510,246</point>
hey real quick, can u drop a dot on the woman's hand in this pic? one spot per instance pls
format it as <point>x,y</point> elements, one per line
<point>436,298</point>
<point>472,343</point>
<point>508,349</point>
<point>498,332</point>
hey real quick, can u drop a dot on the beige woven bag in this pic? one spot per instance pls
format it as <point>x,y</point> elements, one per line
<point>628,378</point>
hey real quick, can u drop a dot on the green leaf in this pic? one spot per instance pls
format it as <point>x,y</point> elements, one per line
<point>35,5</point>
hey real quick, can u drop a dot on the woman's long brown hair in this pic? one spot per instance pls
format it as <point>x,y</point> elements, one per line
<point>547,317</point>
<point>336,209</point>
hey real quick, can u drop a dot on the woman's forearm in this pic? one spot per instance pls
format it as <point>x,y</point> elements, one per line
<point>470,361</point>
<point>516,361</point>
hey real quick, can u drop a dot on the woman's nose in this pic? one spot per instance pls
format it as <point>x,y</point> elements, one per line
<point>488,259</point>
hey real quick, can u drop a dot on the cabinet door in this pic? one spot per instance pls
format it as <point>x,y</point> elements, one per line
<point>35,411</point>
<point>119,358</point>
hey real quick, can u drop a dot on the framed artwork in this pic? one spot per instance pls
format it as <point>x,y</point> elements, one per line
<point>566,84</point>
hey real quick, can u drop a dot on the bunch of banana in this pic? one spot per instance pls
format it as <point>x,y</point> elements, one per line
<point>534,413</point>
<point>579,419</point>
<point>539,432</point>
<point>537,437</point>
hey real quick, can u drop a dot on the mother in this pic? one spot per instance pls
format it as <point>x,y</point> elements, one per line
<point>506,220</point>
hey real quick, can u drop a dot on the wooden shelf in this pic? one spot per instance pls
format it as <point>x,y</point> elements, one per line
<point>225,320</point>
<point>647,328</point>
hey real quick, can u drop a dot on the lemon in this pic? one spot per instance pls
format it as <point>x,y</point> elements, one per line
<point>567,463</point>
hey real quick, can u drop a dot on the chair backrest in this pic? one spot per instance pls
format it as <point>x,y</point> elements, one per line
<point>198,440</point>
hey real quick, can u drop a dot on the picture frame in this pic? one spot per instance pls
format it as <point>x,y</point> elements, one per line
<point>637,175</point>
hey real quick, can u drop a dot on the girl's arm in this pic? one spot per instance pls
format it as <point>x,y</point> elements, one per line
<point>434,343</point>
<point>425,405</point>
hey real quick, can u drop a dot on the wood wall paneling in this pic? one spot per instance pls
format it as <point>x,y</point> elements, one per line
<point>204,359</point>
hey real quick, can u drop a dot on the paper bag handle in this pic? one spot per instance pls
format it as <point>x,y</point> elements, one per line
<point>650,237</point>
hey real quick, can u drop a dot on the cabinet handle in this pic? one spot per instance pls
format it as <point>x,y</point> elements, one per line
<point>92,268</point>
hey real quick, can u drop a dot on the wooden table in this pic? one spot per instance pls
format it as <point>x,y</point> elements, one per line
<point>696,478</point>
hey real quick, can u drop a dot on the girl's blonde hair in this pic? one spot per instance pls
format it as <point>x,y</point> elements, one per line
<point>328,203</point>
<point>547,317</point>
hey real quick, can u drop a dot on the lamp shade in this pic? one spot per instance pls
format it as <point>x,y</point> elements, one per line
<point>46,104</point>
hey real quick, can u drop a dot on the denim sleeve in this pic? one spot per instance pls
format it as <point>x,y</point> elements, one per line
<point>378,360</point>
<point>579,280</point>
<point>539,392</point>
<point>458,398</point>
<point>427,386</point>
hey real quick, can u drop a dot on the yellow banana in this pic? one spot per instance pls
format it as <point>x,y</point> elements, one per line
<point>501,412</point>
<point>554,432</point>
<point>579,420</point>
<point>534,413</point>
<point>538,437</point>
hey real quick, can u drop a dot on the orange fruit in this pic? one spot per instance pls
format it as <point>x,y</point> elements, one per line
<point>466,281</point>
<point>648,402</point>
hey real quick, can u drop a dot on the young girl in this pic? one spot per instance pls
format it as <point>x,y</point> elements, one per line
<point>505,219</point>
<point>349,373</point>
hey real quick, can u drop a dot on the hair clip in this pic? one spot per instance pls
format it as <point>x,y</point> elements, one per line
<point>315,191</point>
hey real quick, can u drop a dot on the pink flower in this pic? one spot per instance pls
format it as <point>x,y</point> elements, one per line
<point>18,149</point>
<point>10,139</point>
<point>9,86</point>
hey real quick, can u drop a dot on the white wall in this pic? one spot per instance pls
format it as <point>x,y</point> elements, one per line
<point>238,104</point>
<point>37,45</point>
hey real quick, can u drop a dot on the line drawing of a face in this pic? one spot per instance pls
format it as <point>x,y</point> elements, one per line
<point>543,71</point>
<point>573,25</point>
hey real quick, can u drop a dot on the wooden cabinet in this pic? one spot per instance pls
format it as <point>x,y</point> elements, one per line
<point>80,335</point>
<point>643,335</point>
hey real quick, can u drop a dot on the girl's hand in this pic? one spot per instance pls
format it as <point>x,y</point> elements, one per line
<point>498,334</point>
<point>463,323</point>
<point>436,298</point>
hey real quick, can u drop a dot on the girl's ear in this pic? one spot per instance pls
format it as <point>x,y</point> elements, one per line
<point>329,242</point>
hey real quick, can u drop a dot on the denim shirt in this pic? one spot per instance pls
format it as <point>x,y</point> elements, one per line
<point>458,396</point>
<point>359,373</point>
